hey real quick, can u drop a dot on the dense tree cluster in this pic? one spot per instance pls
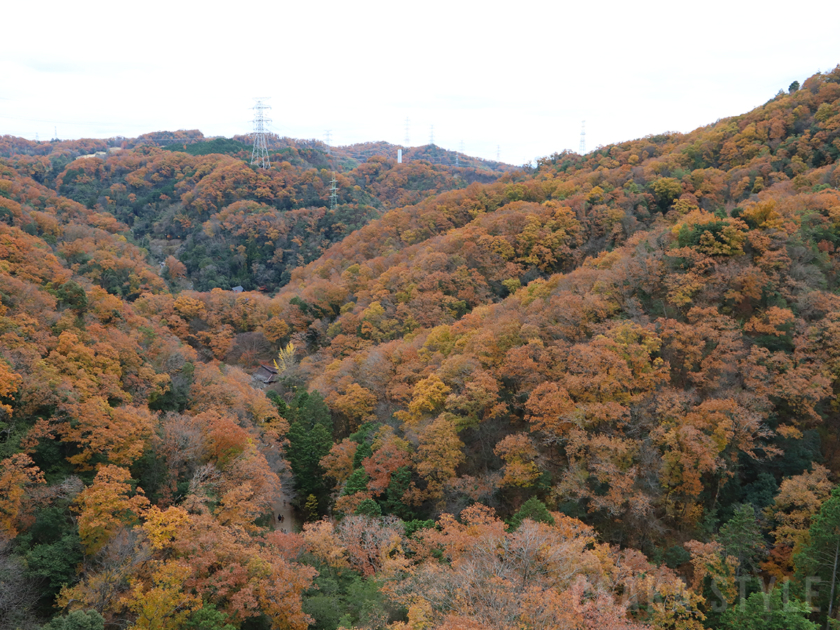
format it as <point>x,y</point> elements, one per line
<point>230,224</point>
<point>598,394</point>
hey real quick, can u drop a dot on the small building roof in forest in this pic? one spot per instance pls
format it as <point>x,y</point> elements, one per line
<point>237,289</point>
<point>265,374</point>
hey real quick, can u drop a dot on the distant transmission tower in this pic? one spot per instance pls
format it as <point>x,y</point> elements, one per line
<point>582,138</point>
<point>406,132</point>
<point>432,135</point>
<point>498,152</point>
<point>333,193</point>
<point>259,155</point>
<point>329,135</point>
<point>55,133</point>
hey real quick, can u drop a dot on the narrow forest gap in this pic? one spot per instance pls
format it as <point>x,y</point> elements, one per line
<point>282,506</point>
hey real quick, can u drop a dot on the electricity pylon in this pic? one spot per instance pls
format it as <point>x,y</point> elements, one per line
<point>582,150</point>
<point>259,155</point>
<point>333,193</point>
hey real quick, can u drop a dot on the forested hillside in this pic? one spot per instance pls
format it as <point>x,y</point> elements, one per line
<point>597,394</point>
<point>225,223</point>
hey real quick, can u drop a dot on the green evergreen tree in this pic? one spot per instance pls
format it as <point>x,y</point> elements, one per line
<point>56,563</point>
<point>741,537</point>
<point>363,438</point>
<point>73,296</point>
<point>310,439</point>
<point>208,618</point>
<point>52,550</point>
<point>533,509</point>
<point>369,507</point>
<point>820,556</point>
<point>414,526</point>
<point>400,480</point>
<point>357,482</point>
<point>310,406</point>
<point>77,620</point>
<point>307,446</point>
<point>342,598</point>
<point>769,612</point>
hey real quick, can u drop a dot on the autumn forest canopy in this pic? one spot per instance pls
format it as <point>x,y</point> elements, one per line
<point>598,393</point>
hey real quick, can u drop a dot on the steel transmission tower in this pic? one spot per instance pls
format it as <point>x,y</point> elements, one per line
<point>333,193</point>
<point>582,150</point>
<point>329,135</point>
<point>259,155</point>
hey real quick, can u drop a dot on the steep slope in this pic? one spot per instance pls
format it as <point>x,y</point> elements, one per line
<point>594,395</point>
<point>704,274</point>
<point>84,379</point>
<point>613,193</point>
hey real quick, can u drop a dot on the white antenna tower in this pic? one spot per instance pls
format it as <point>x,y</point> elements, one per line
<point>55,134</point>
<point>333,193</point>
<point>329,135</point>
<point>582,150</point>
<point>432,135</point>
<point>498,151</point>
<point>259,155</point>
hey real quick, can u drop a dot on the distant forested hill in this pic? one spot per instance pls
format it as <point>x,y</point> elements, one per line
<point>229,224</point>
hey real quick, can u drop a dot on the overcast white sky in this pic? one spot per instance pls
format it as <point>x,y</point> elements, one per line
<point>520,76</point>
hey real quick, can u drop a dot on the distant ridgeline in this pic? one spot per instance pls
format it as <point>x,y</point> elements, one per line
<point>297,151</point>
